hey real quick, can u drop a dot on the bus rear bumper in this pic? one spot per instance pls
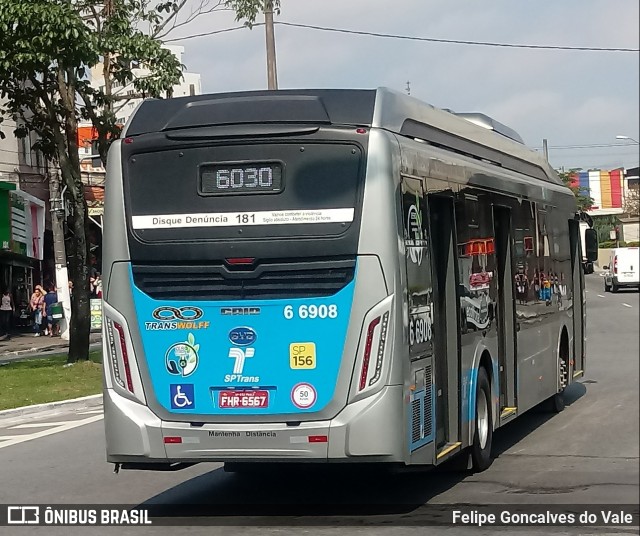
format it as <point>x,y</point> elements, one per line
<point>366,431</point>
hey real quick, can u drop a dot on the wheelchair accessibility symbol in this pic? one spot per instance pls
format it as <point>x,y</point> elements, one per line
<point>182,396</point>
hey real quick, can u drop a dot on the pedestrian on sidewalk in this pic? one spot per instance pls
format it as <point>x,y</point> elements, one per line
<point>7,309</point>
<point>49,300</point>
<point>36,303</point>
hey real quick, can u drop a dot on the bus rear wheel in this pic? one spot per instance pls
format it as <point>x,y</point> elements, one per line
<point>555,403</point>
<point>483,436</point>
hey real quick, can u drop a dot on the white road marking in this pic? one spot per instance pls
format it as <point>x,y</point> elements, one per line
<point>60,427</point>
<point>627,305</point>
<point>600,295</point>
<point>40,424</point>
<point>90,412</point>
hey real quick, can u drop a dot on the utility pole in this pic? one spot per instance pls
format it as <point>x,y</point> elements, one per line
<point>408,88</point>
<point>545,149</point>
<point>272,74</point>
<point>62,278</point>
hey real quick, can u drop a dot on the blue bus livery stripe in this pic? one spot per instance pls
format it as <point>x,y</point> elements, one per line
<point>278,356</point>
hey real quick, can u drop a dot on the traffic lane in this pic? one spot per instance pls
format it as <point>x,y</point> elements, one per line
<point>71,467</point>
<point>625,297</point>
<point>586,454</point>
<point>610,409</point>
<point>75,473</point>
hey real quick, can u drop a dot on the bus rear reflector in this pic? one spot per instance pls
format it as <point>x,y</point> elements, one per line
<point>318,439</point>
<point>367,353</point>
<point>172,439</point>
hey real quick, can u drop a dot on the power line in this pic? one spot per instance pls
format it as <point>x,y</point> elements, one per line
<point>590,146</point>
<point>458,41</point>
<point>413,38</point>
<point>214,32</point>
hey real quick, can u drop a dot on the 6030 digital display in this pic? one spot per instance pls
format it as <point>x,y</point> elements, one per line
<point>246,178</point>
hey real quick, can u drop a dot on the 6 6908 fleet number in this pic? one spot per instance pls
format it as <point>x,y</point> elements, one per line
<point>310,311</point>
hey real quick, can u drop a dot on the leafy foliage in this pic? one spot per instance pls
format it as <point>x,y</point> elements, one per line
<point>47,48</point>
<point>632,202</point>
<point>47,51</point>
<point>249,9</point>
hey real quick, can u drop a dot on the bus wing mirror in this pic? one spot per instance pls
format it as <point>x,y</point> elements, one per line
<point>591,244</point>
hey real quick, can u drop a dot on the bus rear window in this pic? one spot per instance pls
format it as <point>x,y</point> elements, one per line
<point>243,191</point>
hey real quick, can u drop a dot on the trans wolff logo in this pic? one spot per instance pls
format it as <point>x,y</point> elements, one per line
<point>169,318</point>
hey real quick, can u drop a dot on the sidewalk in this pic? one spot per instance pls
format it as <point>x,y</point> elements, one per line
<point>25,343</point>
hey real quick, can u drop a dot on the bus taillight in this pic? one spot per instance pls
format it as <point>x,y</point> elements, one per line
<point>125,356</point>
<point>119,355</point>
<point>380,356</point>
<point>367,353</point>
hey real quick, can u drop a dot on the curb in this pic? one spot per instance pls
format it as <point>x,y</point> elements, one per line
<point>15,353</point>
<point>74,403</point>
<point>24,351</point>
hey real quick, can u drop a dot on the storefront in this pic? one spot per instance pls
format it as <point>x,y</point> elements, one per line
<point>21,245</point>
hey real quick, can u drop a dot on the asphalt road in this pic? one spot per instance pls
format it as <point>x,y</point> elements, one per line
<point>587,454</point>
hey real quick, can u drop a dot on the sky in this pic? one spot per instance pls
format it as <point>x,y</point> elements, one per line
<point>578,100</point>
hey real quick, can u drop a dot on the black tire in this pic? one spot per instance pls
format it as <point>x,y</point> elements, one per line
<point>607,288</point>
<point>556,403</point>
<point>614,287</point>
<point>483,432</point>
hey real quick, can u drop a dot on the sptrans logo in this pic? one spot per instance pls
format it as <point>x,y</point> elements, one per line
<point>240,355</point>
<point>170,318</point>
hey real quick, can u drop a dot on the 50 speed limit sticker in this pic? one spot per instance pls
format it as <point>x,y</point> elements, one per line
<point>303,395</point>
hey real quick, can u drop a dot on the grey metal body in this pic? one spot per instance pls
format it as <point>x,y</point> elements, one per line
<point>373,425</point>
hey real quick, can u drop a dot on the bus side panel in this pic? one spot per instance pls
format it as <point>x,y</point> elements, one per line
<point>114,247</point>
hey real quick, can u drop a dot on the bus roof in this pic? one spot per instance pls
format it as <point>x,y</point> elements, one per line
<point>472,134</point>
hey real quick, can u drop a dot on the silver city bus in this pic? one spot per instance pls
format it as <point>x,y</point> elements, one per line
<point>333,276</point>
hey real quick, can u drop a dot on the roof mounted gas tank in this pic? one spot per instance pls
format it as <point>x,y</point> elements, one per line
<point>487,122</point>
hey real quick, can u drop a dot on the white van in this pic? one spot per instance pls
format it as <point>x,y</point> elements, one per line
<point>623,269</point>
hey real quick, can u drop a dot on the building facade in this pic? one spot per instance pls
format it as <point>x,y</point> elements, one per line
<point>190,85</point>
<point>609,189</point>
<point>24,194</point>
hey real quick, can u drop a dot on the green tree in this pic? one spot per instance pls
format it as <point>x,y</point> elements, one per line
<point>46,50</point>
<point>584,201</point>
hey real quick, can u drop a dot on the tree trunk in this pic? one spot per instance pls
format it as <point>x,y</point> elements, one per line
<point>80,301</point>
<point>79,221</point>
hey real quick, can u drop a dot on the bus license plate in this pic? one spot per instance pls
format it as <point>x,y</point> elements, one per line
<point>243,399</point>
